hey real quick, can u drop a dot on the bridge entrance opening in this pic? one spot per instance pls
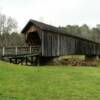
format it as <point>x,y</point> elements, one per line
<point>33,39</point>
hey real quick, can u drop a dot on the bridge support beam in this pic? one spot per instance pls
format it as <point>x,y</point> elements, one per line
<point>37,62</point>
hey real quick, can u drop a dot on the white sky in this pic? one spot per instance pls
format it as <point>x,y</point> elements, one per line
<point>54,12</point>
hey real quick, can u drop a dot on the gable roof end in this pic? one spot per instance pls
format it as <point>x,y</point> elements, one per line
<point>42,26</point>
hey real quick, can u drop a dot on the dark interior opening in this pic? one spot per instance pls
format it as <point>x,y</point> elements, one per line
<point>33,39</point>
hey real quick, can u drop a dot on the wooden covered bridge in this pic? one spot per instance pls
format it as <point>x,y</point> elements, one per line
<point>47,42</point>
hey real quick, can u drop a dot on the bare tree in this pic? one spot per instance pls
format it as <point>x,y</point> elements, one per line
<point>7,24</point>
<point>2,22</point>
<point>11,25</point>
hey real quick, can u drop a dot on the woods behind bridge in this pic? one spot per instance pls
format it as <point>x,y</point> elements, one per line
<point>13,39</point>
<point>84,31</point>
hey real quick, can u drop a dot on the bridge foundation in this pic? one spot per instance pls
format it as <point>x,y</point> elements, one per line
<point>47,60</point>
<point>91,57</point>
<point>99,57</point>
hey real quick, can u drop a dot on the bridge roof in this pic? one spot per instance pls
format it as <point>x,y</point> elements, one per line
<point>51,28</point>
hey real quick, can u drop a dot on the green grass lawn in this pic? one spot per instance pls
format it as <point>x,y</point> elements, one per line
<point>49,83</point>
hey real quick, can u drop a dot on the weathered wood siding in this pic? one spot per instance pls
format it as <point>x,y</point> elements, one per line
<point>53,44</point>
<point>58,44</point>
<point>87,47</point>
<point>49,44</point>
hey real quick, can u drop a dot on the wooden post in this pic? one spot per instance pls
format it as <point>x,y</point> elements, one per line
<point>42,45</point>
<point>58,47</point>
<point>3,51</point>
<point>10,59</point>
<point>36,62</point>
<point>22,59</point>
<point>26,60</point>
<point>15,61</point>
<point>31,60</point>
<point>30,49</point>
<point>16,50</point>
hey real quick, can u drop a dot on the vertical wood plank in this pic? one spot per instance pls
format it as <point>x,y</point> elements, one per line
<point>30,51</point>
<point>3,51</point>
<point>16,50</point>
<point>42,43</point>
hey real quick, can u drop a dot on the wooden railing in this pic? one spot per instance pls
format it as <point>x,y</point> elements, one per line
<point>8,51</point>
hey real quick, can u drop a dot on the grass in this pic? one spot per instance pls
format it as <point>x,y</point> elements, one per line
<point>49,83</point>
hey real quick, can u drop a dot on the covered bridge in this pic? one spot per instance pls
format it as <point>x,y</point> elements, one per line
<point>53,42</point>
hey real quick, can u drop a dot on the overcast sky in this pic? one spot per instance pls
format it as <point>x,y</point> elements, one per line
<point>54,12</point>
